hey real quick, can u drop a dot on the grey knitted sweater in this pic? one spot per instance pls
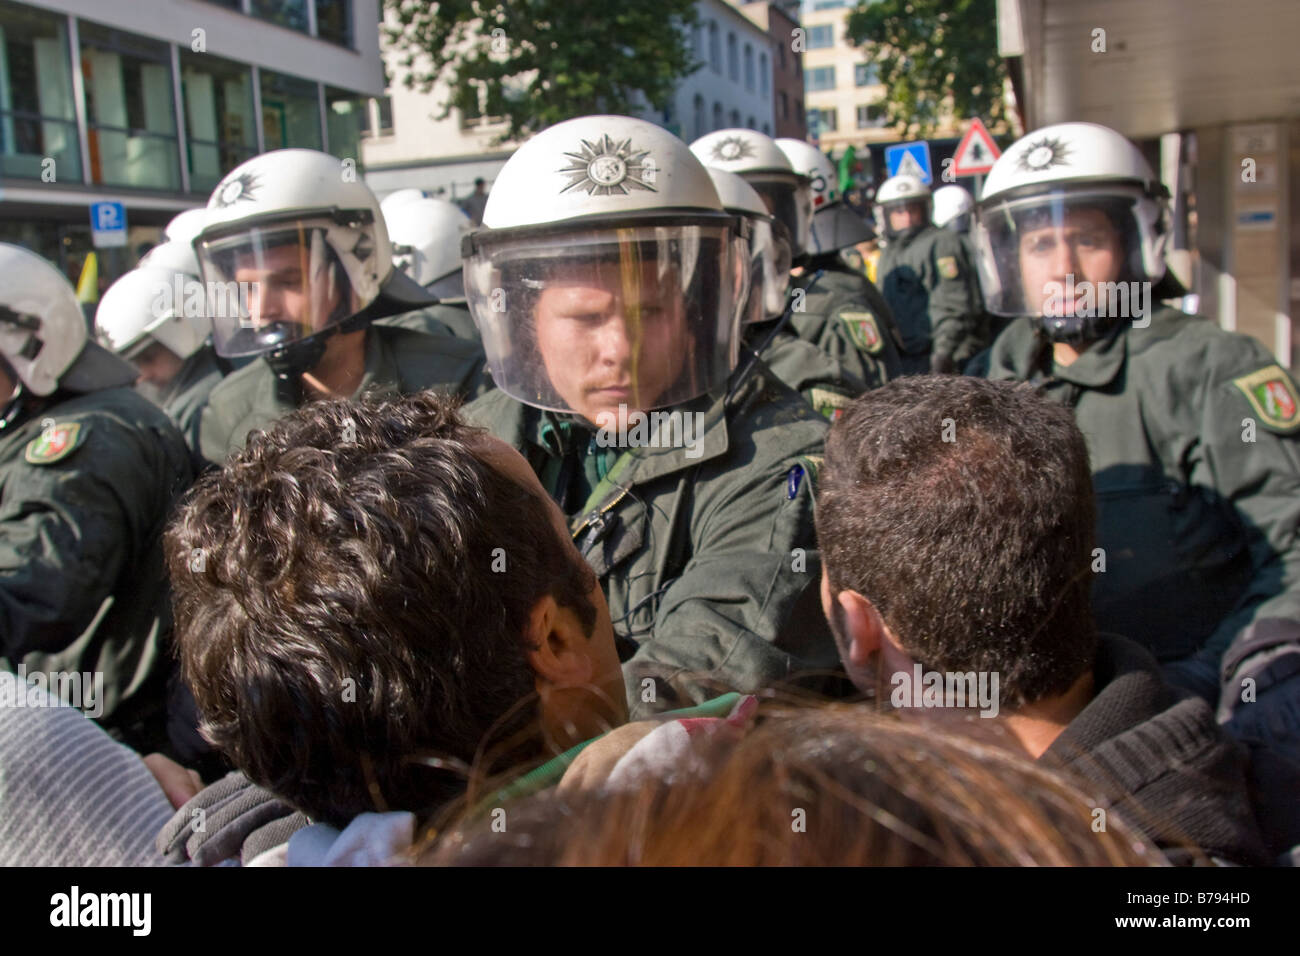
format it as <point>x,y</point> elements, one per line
<point>70,795</point>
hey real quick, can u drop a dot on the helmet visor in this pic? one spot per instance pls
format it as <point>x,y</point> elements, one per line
<point>644,317</point>
<point>789,200</point>
<point>770,262</point>
<point>1080,253</point>
<point>268,287</point>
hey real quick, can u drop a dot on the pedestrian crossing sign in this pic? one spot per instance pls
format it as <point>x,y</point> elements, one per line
<point>910,159</point>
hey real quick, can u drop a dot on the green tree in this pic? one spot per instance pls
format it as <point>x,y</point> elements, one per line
<point>932,56</point>
<point>537,62</point>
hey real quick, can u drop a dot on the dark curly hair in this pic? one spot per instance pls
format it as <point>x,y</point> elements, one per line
<point>351,596</point>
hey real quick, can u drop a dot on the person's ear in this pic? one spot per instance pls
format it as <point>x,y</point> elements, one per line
<point>864,629</point>
<point>559,650</point>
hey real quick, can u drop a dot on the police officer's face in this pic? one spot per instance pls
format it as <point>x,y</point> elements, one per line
<point>1084,244</point>
<point>611,337</point>
<point>904,216</point>
<point>283,289</point>
<point>158,365</point>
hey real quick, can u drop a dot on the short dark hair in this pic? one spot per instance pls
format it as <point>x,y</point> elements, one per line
<point>359,542</point>
<point>974,545</point>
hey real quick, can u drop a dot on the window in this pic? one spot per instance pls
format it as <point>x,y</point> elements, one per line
<point>346,117</point>
<point>285,13</point>
<point>129,109</point>
<point>798,112</point>
<point>767,129</point>
<point>37,116</point>
<point>749,67</point>
<point>751,123</point>
<point>334,23</point>
<point>219,123</point>
<point>384,115</point>
<point>715,49</point>
<point>717,116</point>
<point>821,36</point>
<point>782,105</point>
<point>228,4</point>
<point>700,118</point>
<point>290,111</point>
<point>820,78</point>
<point>864,74</point>
<point>733,64</point>
<point>762,74</point>
<point>822,121</point>
<point>735,119</point>
<point>780,48</point>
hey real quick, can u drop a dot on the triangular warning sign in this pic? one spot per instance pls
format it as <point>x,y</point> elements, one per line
<point>976,152</point>
<point>909,166</point>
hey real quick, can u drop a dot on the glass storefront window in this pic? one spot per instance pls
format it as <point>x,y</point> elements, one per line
<point>129,109</point>
<point>38,129</point>
<point>346,115</point>
<point>219,120</point>
<point>286,13</point>
<point>290,111</point>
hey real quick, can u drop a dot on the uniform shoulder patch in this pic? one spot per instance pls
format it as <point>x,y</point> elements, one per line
<point>864,331</point>
<point>1272,395</point>
<point>828,403</point>
<point>947,266</point>
<point>56,441</point>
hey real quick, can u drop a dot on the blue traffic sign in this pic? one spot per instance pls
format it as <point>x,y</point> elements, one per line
<point>910,159</point>
<point>108,224</point>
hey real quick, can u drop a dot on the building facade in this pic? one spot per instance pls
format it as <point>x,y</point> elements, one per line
<point>781,21</point>
<point>408,146</point>
<point>150,104</point>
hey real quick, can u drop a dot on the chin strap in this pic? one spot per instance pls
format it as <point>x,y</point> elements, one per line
<point>290,361</point>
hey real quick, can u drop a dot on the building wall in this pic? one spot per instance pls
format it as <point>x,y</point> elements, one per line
<point>445,155</point>
<point>126,109</point>
<point>786,65</point>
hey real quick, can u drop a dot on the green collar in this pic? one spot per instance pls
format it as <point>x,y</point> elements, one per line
<point>1021,354</point>
<point>549,773</point>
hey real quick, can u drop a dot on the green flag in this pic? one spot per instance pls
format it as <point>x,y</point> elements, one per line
<point>847,162</point>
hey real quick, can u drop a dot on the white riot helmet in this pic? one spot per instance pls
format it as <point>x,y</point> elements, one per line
<point>756,158</point>
<point>395,200</point>
<point>834,225</point>
<point>305,237</point>
<point>175,255</point>
<point>953,208</point>
<point>606,271</point>
<point>899,191</point>
<point>186,225</point>
<point>43,335</point>
<point>153,304</point>
<point>1075,199</point>
<point>770,255</point>
<point>426,236</point>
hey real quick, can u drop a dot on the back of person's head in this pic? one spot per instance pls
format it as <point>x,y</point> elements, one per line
<point>835,786</point>
<point>347,615</point>
<point>962,509</point>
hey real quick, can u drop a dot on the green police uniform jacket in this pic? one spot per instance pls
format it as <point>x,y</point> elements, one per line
<point>703,559</point>
<point>843,314</point>
<point>188,392</point>
<point>87,483</point>
<point>823,381</point>
<point>926,278</point>
<point>404,354</point>
<point>1194,435</point>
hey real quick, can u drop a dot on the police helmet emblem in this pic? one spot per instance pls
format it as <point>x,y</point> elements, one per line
<point>239,187</point>
<point>1043,154</point>
<point>729,149</point>
<point>605,167</point>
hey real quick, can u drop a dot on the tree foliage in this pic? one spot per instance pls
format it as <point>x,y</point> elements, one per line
<point>534,63</point>
<point>933,56</point>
